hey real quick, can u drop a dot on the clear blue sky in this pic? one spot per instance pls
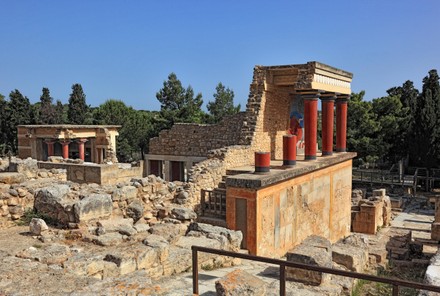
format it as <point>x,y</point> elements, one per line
<point>126,49</point>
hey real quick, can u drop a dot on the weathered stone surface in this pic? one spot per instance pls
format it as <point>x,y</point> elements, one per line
<point>54,202</point>
<point>356,196</point>
<point>124,259</point>
<point>135,210</point>
<point>227,238</point>
<point>51,254</point>
<point>240,283</point>
<point>141,227</point>
<point>12,177</point>
<point>108,239</point>
<point>125,193</point>
<point>182,197</point>
<point>168,231</point>
<point>184,214</point>
<point>353,258</point>
<point>314,250</point>
<point>37,226</point>
<point>94,206</point>
<point>121,225</point>
<point>160,245</point>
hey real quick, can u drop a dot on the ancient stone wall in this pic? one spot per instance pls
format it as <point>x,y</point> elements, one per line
<point>190,139</point>
<point>94,173</point>
<point>282,215</point>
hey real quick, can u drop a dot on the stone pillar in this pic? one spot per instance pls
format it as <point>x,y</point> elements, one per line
<point>65,144</point>
<point>50,147</point>
<point>328,104</point>
<point>310,125</point>
<point>341,124</point>
<point>81,150</point>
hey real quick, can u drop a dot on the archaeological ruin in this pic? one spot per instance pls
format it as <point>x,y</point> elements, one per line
<point>75,221</point>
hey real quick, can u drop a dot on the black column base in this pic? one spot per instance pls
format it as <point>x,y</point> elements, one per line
<point>310,157</point>
<point>341,149</point>
<point>327,153</point>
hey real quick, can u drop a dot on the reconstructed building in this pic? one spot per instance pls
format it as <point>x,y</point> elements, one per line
<point>91,143</point>
<point>278,209</point>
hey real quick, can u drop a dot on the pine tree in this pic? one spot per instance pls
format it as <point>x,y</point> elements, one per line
<point>223,104</point>
<point>47,110</point>
<point>78,109</point>
<point>178,104</point>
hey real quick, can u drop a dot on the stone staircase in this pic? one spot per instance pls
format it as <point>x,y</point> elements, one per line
<point>213,202</point>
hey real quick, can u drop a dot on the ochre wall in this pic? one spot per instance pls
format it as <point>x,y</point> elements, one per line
<point>282,215</point>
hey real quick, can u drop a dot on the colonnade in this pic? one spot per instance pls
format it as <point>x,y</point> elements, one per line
<point>329,100</point>
<point>65,147</point>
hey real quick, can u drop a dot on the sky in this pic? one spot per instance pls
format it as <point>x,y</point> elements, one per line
<point>126,49</point>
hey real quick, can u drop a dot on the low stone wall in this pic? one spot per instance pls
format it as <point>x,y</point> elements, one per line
<point>96,173</point>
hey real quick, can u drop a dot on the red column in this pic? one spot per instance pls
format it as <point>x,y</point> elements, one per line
<point>328,105</point>
<point>310,125</point>
<point>50,146</point>
<point>81,143</point>
<point>289,150</point>
<point>262,162</point>
<point>65,145</point>
<point>341,124</point>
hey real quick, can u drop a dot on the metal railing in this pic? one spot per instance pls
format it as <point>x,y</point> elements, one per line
<point>385,178</point>
<point>213,203</point>
<point>395,283</point>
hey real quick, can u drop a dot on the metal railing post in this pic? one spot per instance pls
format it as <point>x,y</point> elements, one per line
<point>395,290</point>
<point>195,271</point>
<point>282,280</point>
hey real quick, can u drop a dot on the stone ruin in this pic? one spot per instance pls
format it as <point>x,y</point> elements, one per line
<point>370,214</point>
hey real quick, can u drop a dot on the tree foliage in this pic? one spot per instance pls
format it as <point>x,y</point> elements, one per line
<point>222,105</point>
<point>78,109</point>
<point>135,128</point>
<point>178,104</point>
<point>46,110</point>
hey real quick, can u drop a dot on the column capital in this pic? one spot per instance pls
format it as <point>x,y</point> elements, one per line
<point>328,96</point>
<point>342,98</point>
<point>65,142</point>
<point>309,94</point>
<point>50,141</point>
<point>81,140</point>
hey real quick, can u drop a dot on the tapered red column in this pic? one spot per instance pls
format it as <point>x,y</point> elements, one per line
<point>50,147</point>
<point>289,150</point>
<point>328,105</point>
<point>310,125</point>
<point>341,124</point>
<point>81,143</point>
<point>65,145</point>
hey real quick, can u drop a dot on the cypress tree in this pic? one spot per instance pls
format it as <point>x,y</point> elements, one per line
<point>78,109</point>
<point>47,110</point>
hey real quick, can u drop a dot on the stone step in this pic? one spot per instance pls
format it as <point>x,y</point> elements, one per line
<point>213,221</point>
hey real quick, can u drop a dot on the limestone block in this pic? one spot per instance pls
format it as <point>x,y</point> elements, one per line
<point>229,239</point>
<point>239,282</point>
<point>396,202</point>
<point>50,254</point>
<point>125,193</point>
<point>314,250</point>
<point>13,201</point>
<point>12,177</point>
<point>21,192</point>
<point>146,257</point>
<point>37,226</point>
<point>435,231</point>
<point>353,258</point>
<point>160,245</point>
<point>94,206</point>
<point>124,260</point>
<point>108,239</point>
<point>168,231</point>
<point>379,192</point>
<point>54,202</point>
<point>184,214</point>
<point>135,210</point>
<point>121,225</point>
